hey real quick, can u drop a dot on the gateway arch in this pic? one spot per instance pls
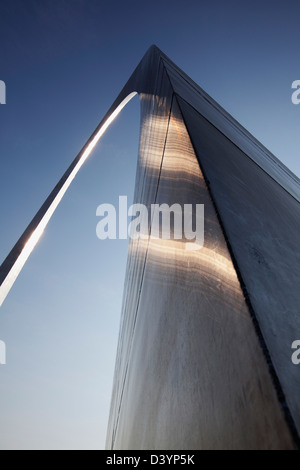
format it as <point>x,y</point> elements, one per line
<point>204,351</point>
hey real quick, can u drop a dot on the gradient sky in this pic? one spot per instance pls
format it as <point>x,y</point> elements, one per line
<point>64,62</point>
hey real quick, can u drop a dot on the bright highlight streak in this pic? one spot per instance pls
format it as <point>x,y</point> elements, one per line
<point>37,233</point>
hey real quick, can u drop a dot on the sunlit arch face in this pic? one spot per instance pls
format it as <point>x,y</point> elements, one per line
<point>38,231</point>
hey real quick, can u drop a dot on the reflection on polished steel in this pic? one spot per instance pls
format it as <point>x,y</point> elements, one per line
<point>204,358</point>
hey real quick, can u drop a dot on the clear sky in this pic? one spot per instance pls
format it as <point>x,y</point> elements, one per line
<point>64,62</point>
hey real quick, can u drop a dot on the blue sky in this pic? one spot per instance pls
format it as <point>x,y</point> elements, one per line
<point>64,62</point>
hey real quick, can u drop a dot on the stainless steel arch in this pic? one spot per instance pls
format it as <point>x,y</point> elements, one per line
<point>203,357</point>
